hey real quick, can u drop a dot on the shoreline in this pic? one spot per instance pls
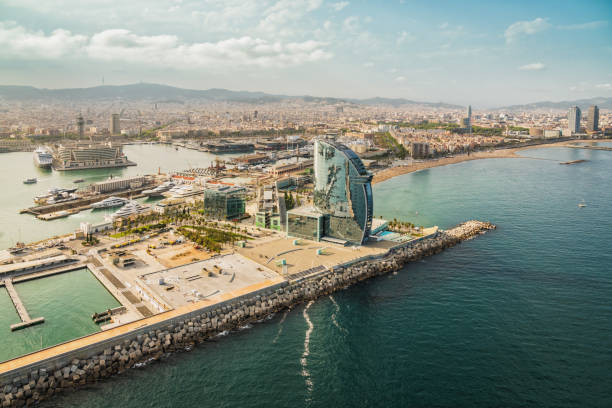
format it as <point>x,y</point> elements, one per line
<point>509,153</point>
<point>37,376</point>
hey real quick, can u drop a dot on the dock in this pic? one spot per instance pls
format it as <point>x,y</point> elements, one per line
<point>573,146</point>
<point>49,212</point>
<point>26,320</point>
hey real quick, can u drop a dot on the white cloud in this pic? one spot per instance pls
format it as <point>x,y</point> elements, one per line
<point>17,41</point>
<point>327,25</point>
<point>522,28</point>
<point>167,50</point>
<point>351,23</point>
<point>404,37</point>
<point>227,15</point>
<point>536,66</point>
<point>607,87</point>
<point>443,25</point>
<point>285,11</point>
<point>585,26</point>
<point>340,5</point>
<point>368,64</point>
<point>162,50</point>
<point>400,79</point>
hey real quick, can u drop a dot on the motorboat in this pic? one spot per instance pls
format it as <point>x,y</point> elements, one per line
<point>30,181</point>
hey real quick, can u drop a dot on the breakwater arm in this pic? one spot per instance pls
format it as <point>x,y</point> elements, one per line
<point>29,379</point>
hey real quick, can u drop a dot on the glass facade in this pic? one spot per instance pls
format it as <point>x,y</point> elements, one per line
<point>304,226</point>
<point>342,192</point>
<point>224,203</point>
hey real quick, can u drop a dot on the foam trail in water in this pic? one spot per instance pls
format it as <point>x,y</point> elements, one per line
<point>306,353</point>
<point>280,328</point>
<point>333,316</point>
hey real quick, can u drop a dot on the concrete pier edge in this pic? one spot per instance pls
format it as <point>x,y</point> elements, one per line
<point>27,384</point>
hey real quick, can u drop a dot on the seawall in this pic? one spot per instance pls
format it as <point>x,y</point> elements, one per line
<point>38,379</point>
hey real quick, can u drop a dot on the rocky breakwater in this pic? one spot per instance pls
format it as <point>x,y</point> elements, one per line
<point>24,387</point>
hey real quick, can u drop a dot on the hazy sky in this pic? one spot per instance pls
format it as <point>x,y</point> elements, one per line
<point>486,53</point>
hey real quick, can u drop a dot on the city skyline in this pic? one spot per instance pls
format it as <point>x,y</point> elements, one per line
<point>470,53</point>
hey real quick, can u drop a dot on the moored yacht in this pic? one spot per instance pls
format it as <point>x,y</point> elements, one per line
<point>159,190</point>
<point>110,202</point>
<point>130,208</point>
<point>183,190</point>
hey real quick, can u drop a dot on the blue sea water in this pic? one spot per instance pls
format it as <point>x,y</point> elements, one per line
<point>519,317</point>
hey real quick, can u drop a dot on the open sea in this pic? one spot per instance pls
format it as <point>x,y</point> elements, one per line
<point>518,317</point>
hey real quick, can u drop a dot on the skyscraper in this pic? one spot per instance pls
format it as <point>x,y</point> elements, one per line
<point>593,119</point>
<point>466,122</point>
<point>115,127</point>
<point>342,192</point>
<point>81,125</point>
<point>573,119</point>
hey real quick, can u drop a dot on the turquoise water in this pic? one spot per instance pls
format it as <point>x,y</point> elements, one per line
<point>519,317</point>
<point>66,301</point>
<point>16,167</point>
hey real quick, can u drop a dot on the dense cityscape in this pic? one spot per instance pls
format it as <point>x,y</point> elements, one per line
<point>305,203</point>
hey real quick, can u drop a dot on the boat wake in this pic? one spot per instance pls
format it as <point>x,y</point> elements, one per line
<point>280,328</point>
<point>306,353</point>
<point>333,316</point>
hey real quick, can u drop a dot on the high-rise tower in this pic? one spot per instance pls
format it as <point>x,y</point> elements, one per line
<point>81,125</point>
<point>593,119</point>
<point>115,127</point>
<point>573,119</point>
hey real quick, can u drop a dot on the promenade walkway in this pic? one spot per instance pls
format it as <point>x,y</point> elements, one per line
<point>92,339</point>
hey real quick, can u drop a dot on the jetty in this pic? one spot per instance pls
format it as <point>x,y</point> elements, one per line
<point>36,376</point>
<point>26,320</point>
<point>573,146</point>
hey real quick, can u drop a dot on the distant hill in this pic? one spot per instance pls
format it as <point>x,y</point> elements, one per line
<point>162,93</point>
<point>583,104</point>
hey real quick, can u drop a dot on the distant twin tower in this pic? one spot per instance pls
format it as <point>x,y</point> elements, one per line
<point>114,126</point>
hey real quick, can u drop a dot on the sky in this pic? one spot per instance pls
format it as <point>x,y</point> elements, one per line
<point>484,53</point>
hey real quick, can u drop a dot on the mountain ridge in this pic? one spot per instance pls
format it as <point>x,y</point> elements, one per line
<point>164,93</point>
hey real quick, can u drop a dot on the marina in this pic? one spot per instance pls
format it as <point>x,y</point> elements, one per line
<point>26,320</point>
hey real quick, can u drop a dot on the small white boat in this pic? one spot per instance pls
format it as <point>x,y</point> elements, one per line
<point>30,181</point>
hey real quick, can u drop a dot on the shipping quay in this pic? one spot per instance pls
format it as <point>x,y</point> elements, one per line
<point>318,271</point>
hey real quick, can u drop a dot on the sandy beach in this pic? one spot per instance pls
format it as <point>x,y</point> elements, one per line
<point>509,153</point>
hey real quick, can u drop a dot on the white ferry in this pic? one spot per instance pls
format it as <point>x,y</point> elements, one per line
<point>43,158</point>
<point>110,202</point>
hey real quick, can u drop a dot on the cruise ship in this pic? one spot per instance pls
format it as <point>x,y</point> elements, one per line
<point>129,209</point>
<point>159,190</point>
<point>110,202</point>
<point>183,190</point>
<point>89,156</point>
<point>43,158</point>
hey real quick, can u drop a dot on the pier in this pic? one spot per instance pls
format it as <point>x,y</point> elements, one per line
<point>573,146</point>
<point>51,211</point>
<point>26,320</point>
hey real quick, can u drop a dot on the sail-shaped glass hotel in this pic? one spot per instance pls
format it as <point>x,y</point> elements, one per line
<point>342,197</point>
